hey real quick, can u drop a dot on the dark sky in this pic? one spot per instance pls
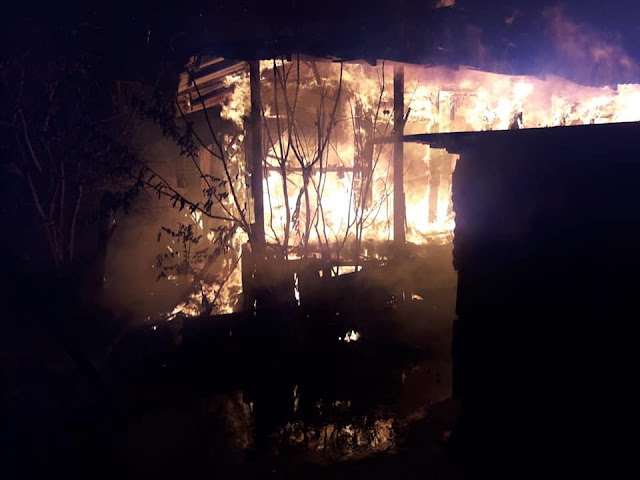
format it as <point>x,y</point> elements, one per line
<point>407,30</point>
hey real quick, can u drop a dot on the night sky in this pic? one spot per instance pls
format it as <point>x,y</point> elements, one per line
<point>407,30</point>
<point>53,323</point>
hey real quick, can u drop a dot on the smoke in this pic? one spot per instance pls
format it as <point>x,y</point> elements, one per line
<point>131,284</point>
<point>518,39</point>
<point>585,55</point>
<point>131,278</point>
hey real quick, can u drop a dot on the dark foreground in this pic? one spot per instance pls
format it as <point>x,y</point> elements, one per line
<point>278,396</point>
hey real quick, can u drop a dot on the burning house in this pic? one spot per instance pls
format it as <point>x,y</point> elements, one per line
<point>328,148</point>
<point>325,234</point>
<point>342,187</point>
<point>348,192</point>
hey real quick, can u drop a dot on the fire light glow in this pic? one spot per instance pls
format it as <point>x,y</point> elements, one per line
<point>327,182</point>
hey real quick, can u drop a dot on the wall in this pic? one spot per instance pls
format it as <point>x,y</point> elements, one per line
<point>547,226</point>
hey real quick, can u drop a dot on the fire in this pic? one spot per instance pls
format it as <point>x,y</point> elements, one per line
<point>438,100</point>
<point>350,336</point>
<point>328,184</point>
<point>222,295</point>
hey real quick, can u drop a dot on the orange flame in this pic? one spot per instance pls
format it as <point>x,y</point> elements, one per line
<point>344,191</point>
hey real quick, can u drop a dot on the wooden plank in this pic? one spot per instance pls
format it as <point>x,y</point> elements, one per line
<point>221,74</point>
<point>209,61</point>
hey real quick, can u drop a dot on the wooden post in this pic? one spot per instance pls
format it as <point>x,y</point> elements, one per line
<point>398,156</point>
<point>257,168</point>
<point>435,164</point>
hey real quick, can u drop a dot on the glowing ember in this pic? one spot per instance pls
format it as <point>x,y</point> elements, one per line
<point>296,290</point>
<point>197,219</point>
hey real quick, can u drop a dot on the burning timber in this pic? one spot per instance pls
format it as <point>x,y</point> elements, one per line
<point>533,162</point>
<point>521,169</point>
<point>335,195</point>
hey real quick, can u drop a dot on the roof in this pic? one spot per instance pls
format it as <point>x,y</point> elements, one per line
<point>461,141</point>
<point>211,86</point>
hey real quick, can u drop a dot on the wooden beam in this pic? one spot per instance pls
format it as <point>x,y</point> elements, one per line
<point>257,161</point>
<point>209,61</point>
<point>219,74</point>
<point>325,169</point>
<point>399,210</point>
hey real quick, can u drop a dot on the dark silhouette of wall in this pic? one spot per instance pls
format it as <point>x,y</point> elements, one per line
<point>546,249</point>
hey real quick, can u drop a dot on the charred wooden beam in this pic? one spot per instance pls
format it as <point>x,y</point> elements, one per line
<point>398,156</point>
<point>208,87</point>
<point>257,173</point>
<point>190,104</point>
<point>208,61</point>
<point>339,169</point>
<point>186,80</point>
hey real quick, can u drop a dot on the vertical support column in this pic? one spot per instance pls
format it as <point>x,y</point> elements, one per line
<point>398,156</point>
<point>253,258</point>
<point>206,167</point>
<point>257,173</point>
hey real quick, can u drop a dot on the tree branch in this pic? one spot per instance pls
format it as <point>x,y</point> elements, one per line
<point>74,221</point>
<point>28,140</point>
<point>219,145</point>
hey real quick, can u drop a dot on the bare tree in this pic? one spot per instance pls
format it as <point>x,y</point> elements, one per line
<point>65,151</point>
<point>299,147</point>
<point>306,118</point>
